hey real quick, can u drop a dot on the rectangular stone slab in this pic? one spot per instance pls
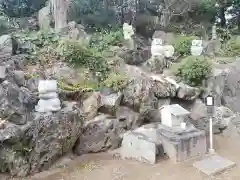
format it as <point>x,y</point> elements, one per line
<point>213,165</point>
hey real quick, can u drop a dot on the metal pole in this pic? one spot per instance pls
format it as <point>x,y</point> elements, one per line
<point>211,150</point>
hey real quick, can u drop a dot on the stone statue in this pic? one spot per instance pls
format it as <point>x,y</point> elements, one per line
<point>158,49</point>
<point>197,47</point>
<point>128,33</point>
<point>49,101</point>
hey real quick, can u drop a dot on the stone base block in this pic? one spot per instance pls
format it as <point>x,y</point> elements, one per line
<point>213,165</point>
<point>181,145</point>
<point>141,145</point>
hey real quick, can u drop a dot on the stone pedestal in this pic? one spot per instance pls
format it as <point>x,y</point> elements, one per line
<point>181,145</point>
<point>142,145</point>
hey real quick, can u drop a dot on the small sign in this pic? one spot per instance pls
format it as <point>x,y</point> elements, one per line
<point>209,100</point>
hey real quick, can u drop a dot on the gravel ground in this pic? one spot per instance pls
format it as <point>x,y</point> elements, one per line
<point>104,167</point>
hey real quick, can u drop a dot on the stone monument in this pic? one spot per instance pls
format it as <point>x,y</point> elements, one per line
<point>180,139</point>
<point>49,101</point>
<point>197,47</point>
<point>173,115</point>
<point>158,49</point>
<point>128,33</point>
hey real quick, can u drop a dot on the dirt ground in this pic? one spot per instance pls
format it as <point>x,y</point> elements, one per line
<point>104,167</point>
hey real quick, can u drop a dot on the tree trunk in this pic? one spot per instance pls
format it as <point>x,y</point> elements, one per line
<point>238,20</point>
<point>59,9</point>
<point>222,16</point>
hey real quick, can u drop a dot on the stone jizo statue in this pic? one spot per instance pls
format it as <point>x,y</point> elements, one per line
<point>49,101</point>
<point>197,47</point>
<point>128,31</point>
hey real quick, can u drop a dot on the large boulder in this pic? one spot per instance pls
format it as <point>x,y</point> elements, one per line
<point>144,91</point>
<point>156,64</point>
<point>102,133</point>
<point>200,117</point>
<point>16,104</point>
<point>36,145</point>
<point>6,45</point>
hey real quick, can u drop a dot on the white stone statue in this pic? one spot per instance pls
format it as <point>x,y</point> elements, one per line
<point>157,48</point>
<point>168,51</point>
<point>49,101</point>
<point>128,31</point>
<point>197,47</point>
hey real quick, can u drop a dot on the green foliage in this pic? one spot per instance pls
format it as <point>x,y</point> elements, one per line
<point>231,48</point>
<point>21,8</point>
<point>115,81</point>
<point>105,38</point>
<point>223,34</point>
<point>193,70</point>
<point>40,39</point>
<point>93,13</point>
<point>182,45</point>
<point>84,56</point>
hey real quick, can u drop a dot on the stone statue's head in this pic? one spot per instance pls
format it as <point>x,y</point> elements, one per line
<point>197,42</point>
<point>157,41</point>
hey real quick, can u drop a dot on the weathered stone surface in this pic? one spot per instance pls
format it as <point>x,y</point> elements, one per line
<point>48,105</point>
<point>91,105</point>
<point>3,72</point>
<point>127,115</point>
<point>200,117</point>
<point>187,92</point>
<point>45,18</point>
<point>100,134</point>
<point>155,64</point>
<point>110,103</point>
<point>34,146</point>
<point>144,91</point>
<point>16,103</point>
<point>181,145</point>
<point>139,147</point>
<point>53,134</point>
<point>214,165</point>
<point>6,45</point>
<point>19,77</point>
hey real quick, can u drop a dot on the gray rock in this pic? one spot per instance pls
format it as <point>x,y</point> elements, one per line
<point>200,117</point>
<point>12,103</point>
<point>132,118</point>
<point>45,17</point>
<point>144,91</point>
<point>91,105</point>
<point>156,64</point>
<point>187,92</point>
<point>110,103</point>
<point>99,134</point>
<point>19,77</point>
<point>3,72</point>
<point>6,45</point>
<point>53,134</point>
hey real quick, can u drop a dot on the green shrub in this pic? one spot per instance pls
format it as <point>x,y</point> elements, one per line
<point>231,48</point>
<point>193,70</point>
<point>105,38</point>
<point>115,81</point>
<point>182,45</point>
<point>79,55</point>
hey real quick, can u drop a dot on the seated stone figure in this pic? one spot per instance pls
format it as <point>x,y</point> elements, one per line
<point>197,47</point>
<point>128,31</point>
<point>157,48</point>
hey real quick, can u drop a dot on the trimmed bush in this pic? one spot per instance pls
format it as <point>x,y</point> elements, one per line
<point>193,70</point>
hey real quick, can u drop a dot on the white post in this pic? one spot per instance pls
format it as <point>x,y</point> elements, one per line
<point>211,150</point>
